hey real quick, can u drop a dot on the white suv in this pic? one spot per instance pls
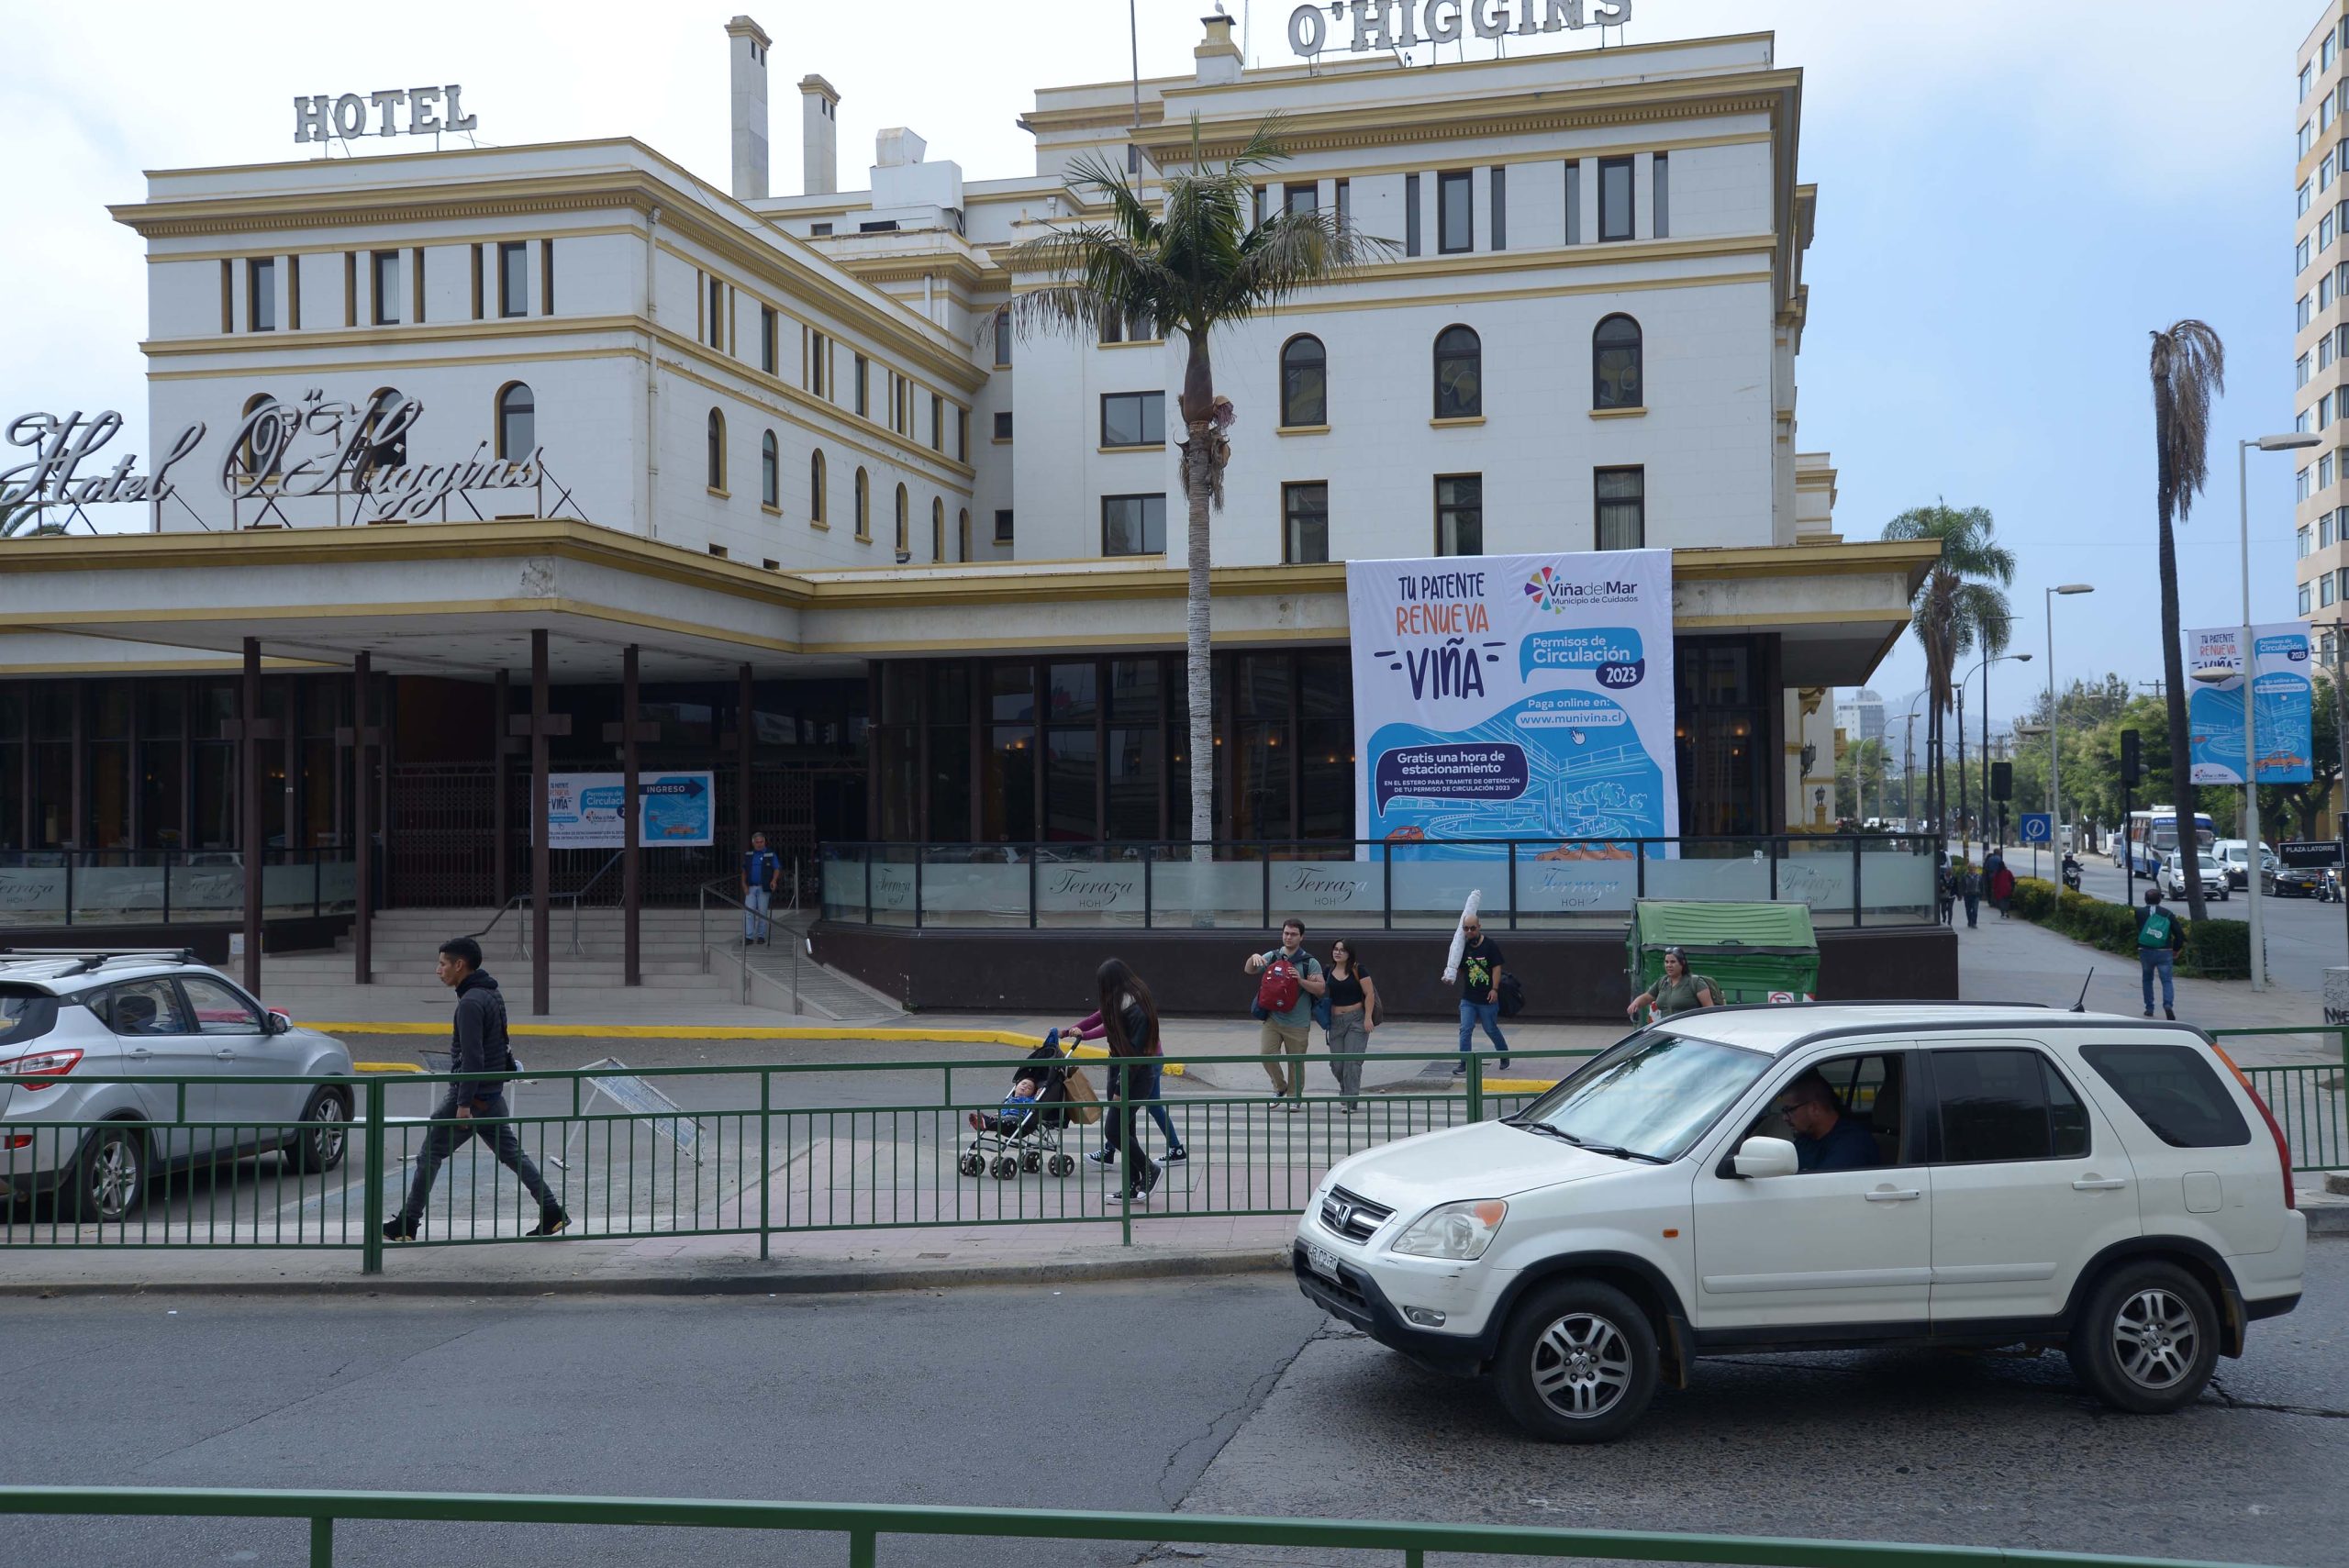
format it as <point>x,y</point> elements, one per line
<point>66,1017</point>
<point>1823,1176</point>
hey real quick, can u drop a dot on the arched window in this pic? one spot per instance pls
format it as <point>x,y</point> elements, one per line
<point>770,471</point>
<point>517,421</point>
<point>1304,382</point>
<point>1615,365</point>
<point>384,418</point>
<point>937,528</point>
<point>963,535</point>
<point>1459,374</point>
<point>864,507</point>
<point>905,524</point>
<point>816,507</point>
<point>717,451</point>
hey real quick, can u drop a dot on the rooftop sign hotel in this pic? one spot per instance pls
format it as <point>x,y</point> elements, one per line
<point>1401,24</point>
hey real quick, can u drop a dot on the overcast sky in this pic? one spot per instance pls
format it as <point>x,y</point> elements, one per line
<point>2010,198</point>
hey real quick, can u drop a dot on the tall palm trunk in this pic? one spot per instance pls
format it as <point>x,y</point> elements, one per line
<point>2189,844</point>
<point>1200,486</point>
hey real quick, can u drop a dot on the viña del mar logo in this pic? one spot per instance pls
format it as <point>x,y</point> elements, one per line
<point>1557,594</point>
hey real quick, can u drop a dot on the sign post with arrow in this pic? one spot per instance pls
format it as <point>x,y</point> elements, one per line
<point>583,811</point>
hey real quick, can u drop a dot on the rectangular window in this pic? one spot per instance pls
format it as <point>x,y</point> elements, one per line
<point>1003,426</point>
<point>1345,203</point>
<point>2324,291</point>
<point>477,283</point>
<point>2325,532</point>
<point>514,280</point>
<point>1003,339</point>
<point>1455,214</point>
<point>818,364</point>
<point>2326,170</point>
<point>2301,372</point>
<point>1410,214</point>
<point>2324,471</point>
<point>1460,514</point>
<point>227,294</point>
<point>962,435</point>
<point>2006,1104</point>
<point>1304,523</point>
<point>770,339</point>
<point>350,289</point>
<point>385,271</point>
<point>2306,139</point>
<point>1623,508</point>
<point>2300,481</point>
<point>546,277</point>
<point>2301,256</point>
<point>1573,201</point>
<point>2327,226</point>
<point>936,423</point>
<point>1304,197</point>
<point>1133,524</point>
<point>2302,197</point>
<point>717,314</point>
<point>1615,219</point>
<point>260,295</point>
<point>1660,196</point>
<point>819,230</point>
<point>2325,53</point>
<point>1500,207</point>
<point>2305,541</point>
<point>416,283</point>
<point>2307,82</point>
<point>863,387</point>
<point>1003,525</point>
<point>2324,111</point>
<point>2304,598</point>
<point>293,294</point>
<point>2324,420</point>
<point>2324,590</point>
<point>1133,419</point>
<point>2304,312</point>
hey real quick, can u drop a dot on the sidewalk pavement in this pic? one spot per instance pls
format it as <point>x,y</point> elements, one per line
<point>807,1263</point>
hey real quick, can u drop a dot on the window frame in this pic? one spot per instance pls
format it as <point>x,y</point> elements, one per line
<point>1288,420</point>
<point>1598,504</point>
<point>770,339</point>
<point>1143,526</point>
<point>258,270</point>
<point>864,507</point>
<point>1937,1143</point>
<point>817,486</point>
<point>1141,422</point>
<point>1001,425</point>
<point>1638,347</point>
<point>1457,509</point>
<point>513,290</point>
<point>1004,524</point>
<point>1003,337</point>
<point>1290,490</point>
<point>714,435</point>
<point>770,471</point>
<point>502,410</point>
<point>1410,214</point>
<point>1435,386</point>
<point>1463,181</point>
<point>1660,196</point>
<point>384,304</point>
<point>1629,165</point>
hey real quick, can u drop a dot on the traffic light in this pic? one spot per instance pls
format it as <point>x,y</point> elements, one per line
<point>2002,780</point>
<point>2132,764</point>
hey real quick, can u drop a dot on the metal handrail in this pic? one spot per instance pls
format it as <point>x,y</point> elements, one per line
<point>865,1523</point>
<point>523,943</point>
<point>715,888</point>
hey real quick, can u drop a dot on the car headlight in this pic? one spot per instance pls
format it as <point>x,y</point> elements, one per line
<point>1455,1230</point>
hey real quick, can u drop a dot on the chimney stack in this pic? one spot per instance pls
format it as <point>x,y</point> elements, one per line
<point>819,137</point>
<point>1217,59</point>
<point>746,51</point>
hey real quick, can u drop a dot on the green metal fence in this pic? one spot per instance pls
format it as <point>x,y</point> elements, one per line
<point>864,1525</point>
<point>703,1150</point>
<point>2309,1100</point>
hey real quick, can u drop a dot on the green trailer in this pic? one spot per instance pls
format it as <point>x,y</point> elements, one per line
<point>1753,952</point>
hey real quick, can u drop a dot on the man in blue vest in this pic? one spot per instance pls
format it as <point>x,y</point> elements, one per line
<point>762,870</point>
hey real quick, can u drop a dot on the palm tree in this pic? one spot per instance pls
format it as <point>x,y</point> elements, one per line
<point>1198,261</point>
<point>1961,605</point>
<point>2190,368</point>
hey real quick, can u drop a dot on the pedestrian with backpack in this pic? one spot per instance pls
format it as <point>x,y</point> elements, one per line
<point>478,1045</point>
<point>1289,980</point>
<point>2160,936</point>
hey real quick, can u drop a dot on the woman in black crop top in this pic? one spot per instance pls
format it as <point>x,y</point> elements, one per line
<point>1353,1004</point>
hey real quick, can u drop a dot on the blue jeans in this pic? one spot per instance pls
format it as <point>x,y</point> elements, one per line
<point>1142,1085</point>
<point>755,926</point>
<point>1488,1013</point>
<point>2157,960</point>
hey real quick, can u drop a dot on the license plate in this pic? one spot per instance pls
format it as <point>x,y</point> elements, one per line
<point>1321,1261</point>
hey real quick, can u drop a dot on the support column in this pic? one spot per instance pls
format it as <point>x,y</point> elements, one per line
<point>249,777</point>
<point>744,727</point>
<point>541,862</point>
<point>362,799</point>
<point>500,852</point>
<point>631,888</point>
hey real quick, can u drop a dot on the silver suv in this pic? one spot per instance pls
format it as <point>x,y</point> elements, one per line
<point>65,1016</point>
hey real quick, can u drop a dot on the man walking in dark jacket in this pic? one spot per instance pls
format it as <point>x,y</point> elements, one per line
<point>478,1045</point>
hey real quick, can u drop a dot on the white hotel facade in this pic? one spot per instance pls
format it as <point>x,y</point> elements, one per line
<point>780,447</point>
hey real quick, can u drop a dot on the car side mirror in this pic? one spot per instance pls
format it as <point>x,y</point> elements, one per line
<point>1767,1156</point>
<point>277,1023</point>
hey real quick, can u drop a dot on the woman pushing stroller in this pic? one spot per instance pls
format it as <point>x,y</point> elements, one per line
<point>1145,1085</point>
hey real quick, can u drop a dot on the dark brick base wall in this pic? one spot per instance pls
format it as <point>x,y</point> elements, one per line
<point>1567,975</point>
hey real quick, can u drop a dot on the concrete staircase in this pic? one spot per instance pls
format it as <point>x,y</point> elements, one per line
<point>678,977</point>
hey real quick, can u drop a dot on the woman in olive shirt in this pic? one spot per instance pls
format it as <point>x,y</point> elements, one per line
<point>1677,992</point>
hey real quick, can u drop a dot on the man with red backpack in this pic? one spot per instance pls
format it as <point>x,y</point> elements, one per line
<point>1288,979</point>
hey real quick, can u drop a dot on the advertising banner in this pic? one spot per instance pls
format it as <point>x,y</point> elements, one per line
<point>1514,696</point>
<point>675,810</point>
<point>2283,711</point>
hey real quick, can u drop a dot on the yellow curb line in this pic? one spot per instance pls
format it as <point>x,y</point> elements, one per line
<point>1521,1085</point>
<point>716,1032</point>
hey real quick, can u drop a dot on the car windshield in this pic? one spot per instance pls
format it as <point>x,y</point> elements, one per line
<point>1650,1096</point>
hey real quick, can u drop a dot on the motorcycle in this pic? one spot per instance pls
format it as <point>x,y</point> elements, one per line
<point>2071,874</point>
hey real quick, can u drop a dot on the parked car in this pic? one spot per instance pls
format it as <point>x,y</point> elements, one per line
<point>2109,1185</point>
<point>2173,876</point>
<point>65,1016</point>
<point>2293,881</point>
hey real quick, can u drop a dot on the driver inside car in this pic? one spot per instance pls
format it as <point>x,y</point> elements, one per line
<point>1825,1139</point>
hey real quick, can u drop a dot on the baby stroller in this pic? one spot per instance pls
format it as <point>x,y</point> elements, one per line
<point>1028,1138</point>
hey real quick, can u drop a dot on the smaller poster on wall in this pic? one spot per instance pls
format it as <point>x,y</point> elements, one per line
<point>2282,704</point>
<point>675,810</point>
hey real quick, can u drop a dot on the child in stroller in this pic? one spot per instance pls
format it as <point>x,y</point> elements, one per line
<point>1024,1134</point>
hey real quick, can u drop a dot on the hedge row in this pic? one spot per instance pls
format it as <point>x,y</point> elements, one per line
<point>2215,950</point>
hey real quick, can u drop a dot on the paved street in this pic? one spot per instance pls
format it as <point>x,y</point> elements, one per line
<point>1221,1396</point>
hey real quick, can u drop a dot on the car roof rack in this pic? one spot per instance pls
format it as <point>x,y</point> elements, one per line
<point>83,960</point>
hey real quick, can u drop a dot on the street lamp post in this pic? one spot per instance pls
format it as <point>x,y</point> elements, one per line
<point>2054,764</point>
<point>1909,763</point>
<point>1985,668</point>
<point>2250,675</point>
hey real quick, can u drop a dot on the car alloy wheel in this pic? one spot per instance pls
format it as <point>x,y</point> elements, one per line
<point>2155,1341</point>
<point>1581,1366</point>
<point>113,1175</point>
<point>320,1145</point>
